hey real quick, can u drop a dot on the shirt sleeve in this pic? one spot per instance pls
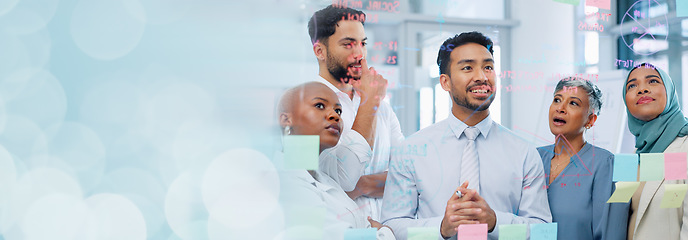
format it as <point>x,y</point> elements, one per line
<point>400,200</point>
<point>533,206</point>
<point>304,208</point>
<point>396,136</point>
<point>346,162</point>
<point>385,233</point>
<point>609,220</point>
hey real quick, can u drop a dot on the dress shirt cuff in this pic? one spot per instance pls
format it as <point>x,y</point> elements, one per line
<point>355,142</point>
<point>385,233</point>
<point>503,218</point>
<point>437,221</point>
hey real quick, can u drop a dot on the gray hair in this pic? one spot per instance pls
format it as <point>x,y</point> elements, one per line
<point>594,93</point>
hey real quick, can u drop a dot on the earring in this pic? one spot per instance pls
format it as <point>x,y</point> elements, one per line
<point>287,130</point>
<point>587,126</point>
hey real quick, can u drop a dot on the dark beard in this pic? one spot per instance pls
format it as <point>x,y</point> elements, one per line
<point>464,102</point>
<point>338,71</point>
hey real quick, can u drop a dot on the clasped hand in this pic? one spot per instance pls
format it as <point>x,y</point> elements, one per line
<point>471,208</point>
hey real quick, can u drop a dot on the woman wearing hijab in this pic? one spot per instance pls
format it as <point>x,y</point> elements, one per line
<point>656,120</point>
<point>579,174</point>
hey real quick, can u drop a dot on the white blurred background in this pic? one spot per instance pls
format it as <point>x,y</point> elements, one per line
<point>154,119</point>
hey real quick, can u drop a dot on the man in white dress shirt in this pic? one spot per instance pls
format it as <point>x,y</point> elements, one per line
<point>504,173</point>
<point>360,160</point>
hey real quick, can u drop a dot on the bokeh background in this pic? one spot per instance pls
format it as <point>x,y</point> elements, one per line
<point>155,119</point>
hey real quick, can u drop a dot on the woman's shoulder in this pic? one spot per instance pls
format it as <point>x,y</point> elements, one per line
<point>680,144</point>
<point>599,153</point>
<point>599,150</point>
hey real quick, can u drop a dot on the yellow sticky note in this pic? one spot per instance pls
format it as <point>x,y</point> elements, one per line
<point>301,151</point>
<point>624,192</point>
<point>673,195</point>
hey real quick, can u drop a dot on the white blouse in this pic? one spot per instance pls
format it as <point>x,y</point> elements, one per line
<point>299,188</point>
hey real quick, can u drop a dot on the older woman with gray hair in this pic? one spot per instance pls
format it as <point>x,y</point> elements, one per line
<point>579,175</point>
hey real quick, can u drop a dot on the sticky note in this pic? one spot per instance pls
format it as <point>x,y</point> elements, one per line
<point>624,191</point>
<point>603,4</point>
<point>675,166</point>
<point>423,233</point>
<point>301,151</point>
<point>512,232</point>
<point>651,167</point>
<point>673,195</point>
<point>360,234</point>
<point>681,8</point>
<point>472,231</point>
<point>572,2</point>
<point>543,231</point>
<point>625,167</point>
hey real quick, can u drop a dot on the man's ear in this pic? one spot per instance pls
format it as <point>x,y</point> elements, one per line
<point>445,82</point>
<point>285,119</point>
<point>320,51</point>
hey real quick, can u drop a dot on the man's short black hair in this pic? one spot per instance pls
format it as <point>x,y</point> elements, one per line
<point>323,23</point>
<point>459,40</point>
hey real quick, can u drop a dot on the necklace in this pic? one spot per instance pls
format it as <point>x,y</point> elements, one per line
<point>556,167</point>
<point>553,173</point>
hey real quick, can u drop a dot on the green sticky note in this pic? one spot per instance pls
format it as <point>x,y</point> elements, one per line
<point>423,233</point>
<point>572,2</point>
<point>543,231</point>
<point>301,151</point>
<point>512,232</point>
<point>673,195</point>
<point>624,191</point>
<point>651,166</point>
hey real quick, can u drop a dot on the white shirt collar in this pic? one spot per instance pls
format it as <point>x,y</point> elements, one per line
<point>458,126</point>
<point>328,84</point>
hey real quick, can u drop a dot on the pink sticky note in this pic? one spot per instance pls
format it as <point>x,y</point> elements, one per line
<point>472,232</point>
<point>603,4</point>
<point>675,166</point>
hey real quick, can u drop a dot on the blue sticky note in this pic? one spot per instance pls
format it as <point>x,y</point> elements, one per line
<point>681,8</point>
<point>360,234</point>
<point>625,168</point>
<point>543,231</point>
<point>301,151</point>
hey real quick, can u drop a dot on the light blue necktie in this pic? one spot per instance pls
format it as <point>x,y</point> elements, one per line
<point>470,165</point>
